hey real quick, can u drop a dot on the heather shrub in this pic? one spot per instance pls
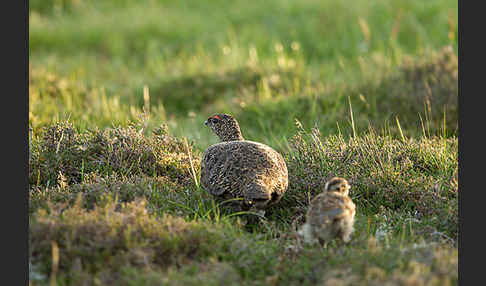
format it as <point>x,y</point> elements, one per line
<point>61,150</point>
<point>103,241</point>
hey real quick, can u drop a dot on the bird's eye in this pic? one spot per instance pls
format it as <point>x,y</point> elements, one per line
<point>214,120</point>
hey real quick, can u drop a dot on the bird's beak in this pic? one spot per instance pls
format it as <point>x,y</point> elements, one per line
<point>206,122</point>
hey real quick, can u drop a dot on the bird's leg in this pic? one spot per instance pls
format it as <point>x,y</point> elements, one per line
<point>258,211</point>
<point>258,215</point>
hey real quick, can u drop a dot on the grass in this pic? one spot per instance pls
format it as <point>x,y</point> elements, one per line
<point>406,194</point>
<point>119,91</point>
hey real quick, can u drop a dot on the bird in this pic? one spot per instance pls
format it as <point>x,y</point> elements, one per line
<point>251,174</point>
<point>330,214</point>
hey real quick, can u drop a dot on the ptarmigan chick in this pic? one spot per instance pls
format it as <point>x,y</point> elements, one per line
<point>236,168</point>
<point>330,214</point>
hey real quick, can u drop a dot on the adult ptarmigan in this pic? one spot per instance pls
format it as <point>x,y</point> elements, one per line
<point>236,168</point>
<point>330,214</point>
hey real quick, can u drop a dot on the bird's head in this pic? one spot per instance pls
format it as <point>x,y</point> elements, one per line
<point>225,127</point>
<point>337,185</point>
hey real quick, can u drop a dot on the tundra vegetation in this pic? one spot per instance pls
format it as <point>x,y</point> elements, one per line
<point>118,95</point>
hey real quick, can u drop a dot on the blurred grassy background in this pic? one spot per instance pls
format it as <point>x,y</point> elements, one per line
<point>268,63</point>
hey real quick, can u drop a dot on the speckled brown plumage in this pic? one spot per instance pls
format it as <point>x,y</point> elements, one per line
<point>237,168</point>
<point>330,214</point>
